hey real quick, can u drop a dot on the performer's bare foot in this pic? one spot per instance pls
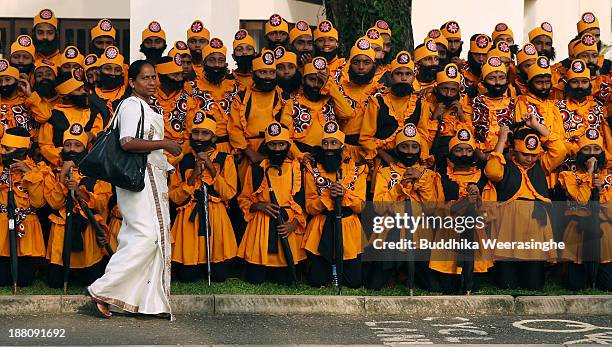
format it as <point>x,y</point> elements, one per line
<point>102,308</point>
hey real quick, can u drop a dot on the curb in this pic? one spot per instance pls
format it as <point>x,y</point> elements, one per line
<point>338,305</point>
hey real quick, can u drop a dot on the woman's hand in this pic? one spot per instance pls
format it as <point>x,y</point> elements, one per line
<point>172,147</point>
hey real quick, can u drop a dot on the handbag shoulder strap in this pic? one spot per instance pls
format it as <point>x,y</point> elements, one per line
<point>140,128</point>
<point>140,131</point>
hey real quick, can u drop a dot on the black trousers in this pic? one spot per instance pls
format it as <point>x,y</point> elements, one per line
<point>576,277</point>
<point>26,271</point>
<point>375,276</point>
<point>519,274</point>
<point>192,273</point>
<point>320,273</point>
<point>258,274</point>
<point>85,276</point>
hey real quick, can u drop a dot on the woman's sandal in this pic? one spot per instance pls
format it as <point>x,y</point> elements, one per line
<point>102,308</point>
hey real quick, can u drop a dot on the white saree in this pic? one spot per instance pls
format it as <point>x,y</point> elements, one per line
<point>137,277</point>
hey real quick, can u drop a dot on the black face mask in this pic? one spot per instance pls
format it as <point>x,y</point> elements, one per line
<point>90,86</point>
<point>196,56</point>
<point>244,63</point>
<point>402,89</point>
<point>523,77</point>
<point>170,83</point>
<point>361,79</point>
<point>110,82</point>
<point>475,66</point>
<point>463,160</point>
<point>80,101</point>
<point>95,50</point>
<point>455,54</point>
<point>446,100</point>
<point>300,54</point>
<point>329,56</point>
<point>330,160</point>
<point>427,74</point>
<point>577,93</point>
<point>8,159</point>
<point>190,76</point>
<point>214,75</point>
<point>276,157</point>
<point>26,69</point>
<point>581,160</point>
<point>514,49</point>
<point>273,44</point>
<point>549,54</point>
<point>263,84</point>
<point>312,93</point>
<point>7,91</point>
<point>46,47</point>
<point>290,85</point>
<point>45,88</point>
<point>495,90</point>
<point>387,58</point>
<point>594,68</point>
<point>153,54</point>
<point>201,146</point>
<point>542,94</point>
<point>407,159</point>
<point>73,156</point>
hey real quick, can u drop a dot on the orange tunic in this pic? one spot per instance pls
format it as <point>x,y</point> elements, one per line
<point>443,260</point>
<point>254,245</point>
<point>15,113</point>
<point>390,194</point>
<point>516,222</point>
<point>488,116</point>
<point>358,96</point>
<point>216,100</point>
<point>55,57</point>
<point>547,113</point>
<point>28,190</point>
<point>390,110</point>
<point>307,117</point>
<point>451,123</point>
<point>41,107</point>
<point>176,109</point>
<point>577,118</point>
<point>243,80</point>
<point>319,202</point>
<point>63,116</point>
<point>188,247</point>
<point>578,186</point>
<point>55,194</point>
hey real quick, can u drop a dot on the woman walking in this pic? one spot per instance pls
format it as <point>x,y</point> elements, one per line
<point>137,277</point>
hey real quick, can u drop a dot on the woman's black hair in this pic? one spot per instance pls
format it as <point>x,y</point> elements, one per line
<point>133,72</point>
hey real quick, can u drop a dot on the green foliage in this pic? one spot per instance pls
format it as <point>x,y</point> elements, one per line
<point>353,18</point>
<point>237,286</point>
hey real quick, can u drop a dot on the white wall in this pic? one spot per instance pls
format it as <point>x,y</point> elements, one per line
<point>118,9</point>
<point>220,17</point>
<point>473,16</point>
<point>480,16</point>
<point>291,10</point>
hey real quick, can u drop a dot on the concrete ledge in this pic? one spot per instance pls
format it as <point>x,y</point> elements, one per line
<point>192,303</point>
<point>588,304</point>
<point>289,304</point>
<point>436,305</point>
<point>341,305</point>
<point>30,304</point>
<point>532,305</point>
<point>76,303</point>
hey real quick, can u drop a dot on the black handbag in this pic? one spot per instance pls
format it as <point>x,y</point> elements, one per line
<point>107,161</point>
